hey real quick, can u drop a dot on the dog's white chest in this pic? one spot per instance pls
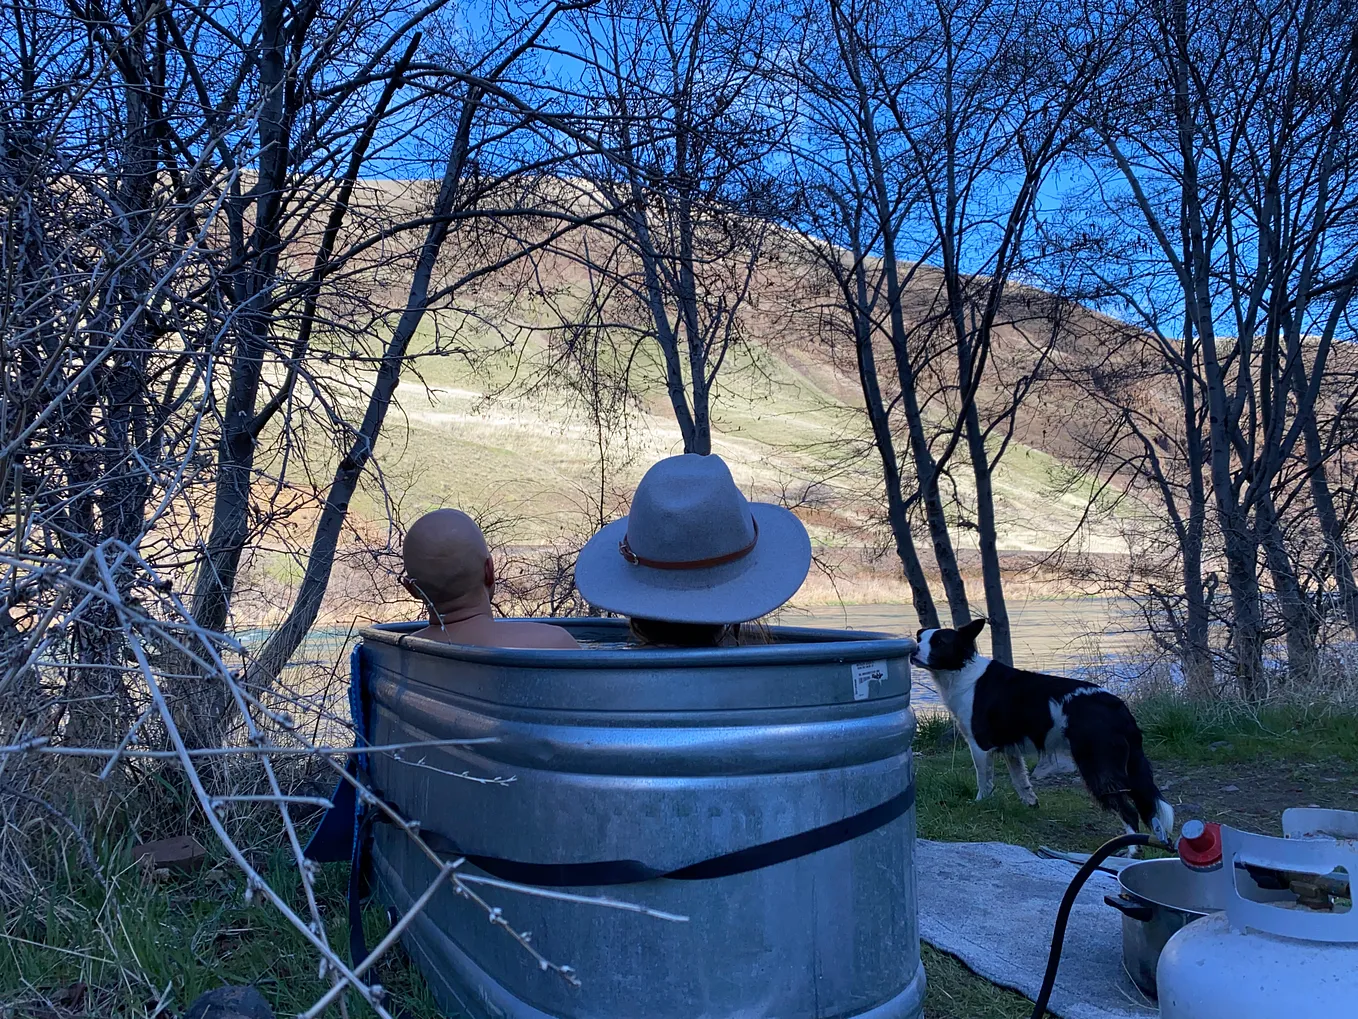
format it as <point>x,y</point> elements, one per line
<point>958,690</point>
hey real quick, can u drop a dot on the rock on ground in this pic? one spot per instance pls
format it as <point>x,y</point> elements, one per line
<point>230,1003</point>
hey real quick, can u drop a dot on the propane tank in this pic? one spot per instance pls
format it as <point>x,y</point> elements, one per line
<point>1265,959</point>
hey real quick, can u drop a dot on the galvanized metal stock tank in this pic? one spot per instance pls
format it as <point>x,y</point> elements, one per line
<point>670,758</point>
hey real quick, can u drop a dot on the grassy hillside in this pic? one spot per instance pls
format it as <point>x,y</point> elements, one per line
<point>480,437</point>
<point>487,419</point>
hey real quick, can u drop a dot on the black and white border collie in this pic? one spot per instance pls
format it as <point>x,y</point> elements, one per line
<point>998,707</point>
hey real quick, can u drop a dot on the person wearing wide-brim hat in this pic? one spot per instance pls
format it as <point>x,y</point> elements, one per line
<point>693,550</point>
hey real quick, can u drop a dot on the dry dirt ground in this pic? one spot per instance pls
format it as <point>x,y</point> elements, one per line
<point>1253,795</point>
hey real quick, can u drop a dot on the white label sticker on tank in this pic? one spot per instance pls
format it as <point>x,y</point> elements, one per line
<point>865,673</point>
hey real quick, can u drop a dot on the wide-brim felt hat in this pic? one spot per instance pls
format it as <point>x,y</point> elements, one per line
<point>693,549</point>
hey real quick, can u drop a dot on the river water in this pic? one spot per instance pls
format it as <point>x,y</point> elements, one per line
<point>1071,636</point>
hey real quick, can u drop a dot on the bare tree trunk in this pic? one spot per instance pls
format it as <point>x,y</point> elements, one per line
<point>1199,674</point>
<point>458,175</point>
<point>926,467</point>
<point>287,638</point>
<point>258,263</point>
<point>898,516</point>
<point>666,337</point>
<point>98,698</point>
<point>681,151</point>
<point>853,54</point>
<point>997,611</point>
<point>687,299</point>
<point>1323,501</point>
<point>1298,620</point>
<point>840,173</point>
<point>1240,546</point>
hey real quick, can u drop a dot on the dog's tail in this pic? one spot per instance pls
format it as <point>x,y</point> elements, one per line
<point>1154,809</point>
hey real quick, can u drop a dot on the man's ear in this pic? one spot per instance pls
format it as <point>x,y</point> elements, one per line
<point>972,629</point>
<point>490,574</point>
<point>411,589</point>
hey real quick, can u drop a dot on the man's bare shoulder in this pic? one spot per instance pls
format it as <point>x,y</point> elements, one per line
<point>533,635</point>
<point>436,633</point>
<point>500,633</point>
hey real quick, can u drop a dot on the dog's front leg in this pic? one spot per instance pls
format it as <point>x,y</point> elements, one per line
<point>985,771</point>
<point>1018,774</point>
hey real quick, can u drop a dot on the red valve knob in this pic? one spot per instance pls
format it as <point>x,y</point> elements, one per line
<point>1200,845</point>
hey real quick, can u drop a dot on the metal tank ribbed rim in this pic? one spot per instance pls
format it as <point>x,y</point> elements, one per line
<point>803,646</point>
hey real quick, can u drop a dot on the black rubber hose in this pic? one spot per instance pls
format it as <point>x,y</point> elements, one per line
<point>1068,902</point>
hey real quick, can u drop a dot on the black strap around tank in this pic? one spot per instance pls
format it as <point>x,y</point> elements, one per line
<point>620,872</point>
<point>604,873</point>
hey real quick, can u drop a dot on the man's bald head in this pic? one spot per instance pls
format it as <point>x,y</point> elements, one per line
<point>446,558</point>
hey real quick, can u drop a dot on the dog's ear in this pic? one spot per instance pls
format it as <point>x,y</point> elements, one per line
<point>972,629</point>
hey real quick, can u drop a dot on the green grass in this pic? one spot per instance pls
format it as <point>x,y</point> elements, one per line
<point>143,942</point>
<point>190,934</point>
<point>1186,731</point>
<point>187,935</point>
<point>955,992</point>
<point>948,812</point>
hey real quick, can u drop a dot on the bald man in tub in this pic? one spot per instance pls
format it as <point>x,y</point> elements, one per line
<point>449,569</point>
